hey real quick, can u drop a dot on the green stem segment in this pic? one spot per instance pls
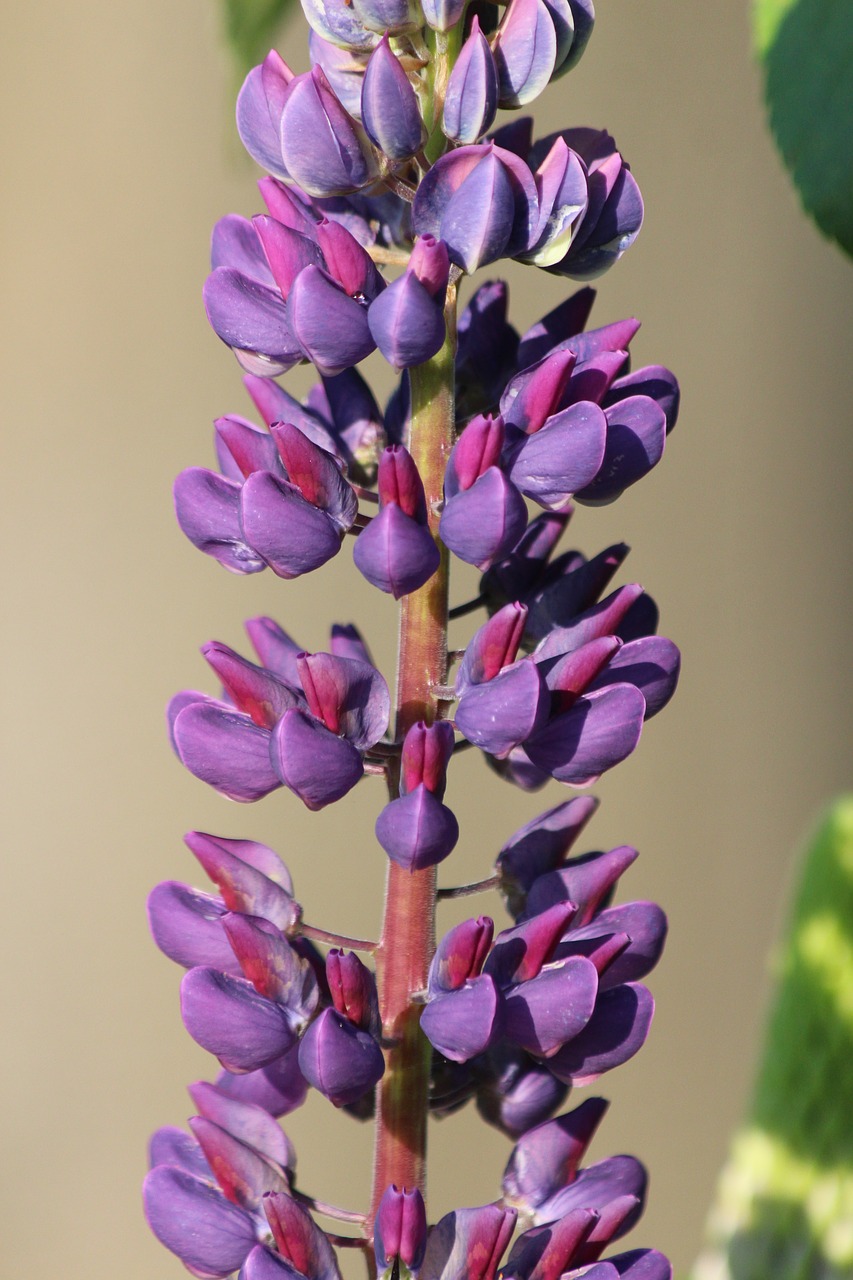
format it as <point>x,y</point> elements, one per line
<point>408,928</point>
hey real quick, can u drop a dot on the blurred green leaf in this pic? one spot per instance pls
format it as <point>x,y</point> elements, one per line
<point>784,1206</point>
<point>251,27</point>
<point>806,48</point>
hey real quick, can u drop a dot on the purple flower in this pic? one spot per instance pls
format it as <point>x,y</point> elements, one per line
<point>396,551</point>
<point>484,514</point>
<point>416,830</point>
<point>401,1229</point>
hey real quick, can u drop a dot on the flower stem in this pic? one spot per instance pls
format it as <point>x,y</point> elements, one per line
<point>407,942</point>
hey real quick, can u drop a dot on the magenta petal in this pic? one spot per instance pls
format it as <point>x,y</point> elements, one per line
<point>460,1024</point>
<point>314,763</point>
<point>520,953</point>
<point>417,830</point>
<point>600,619</point>
<point>300,1241</point>
<point>460,955</point>
<point>339,1059</point>
<point>547,1157</point>
<point>427,750</point>
<point>348,694</point>
<point>316,474</point>
<point>241,448</point>
<point>503,712</point>
<point>468,1243</point>
<point>208,509</point>
<point>586,881</point>
<point>226,750</point>
<point>254,690</point>
<point>226,1016</point>
<point>250,877</point>
<point>187,927</point>
<point>396,553</point>
<point>400,1228</point>
<point>194,1220</point>
<point>546,1253</point>
<point>292,535</point>
<point>243,1174</point>
<point>530,397</point>
<point>646,926</point>
<point>273,966</point>
<point>286,251</point>
<point>492,647</point>
<point>552,1008</point>
<point>615,1032</point>
<point>598,732</point>
<point>245,1121</point>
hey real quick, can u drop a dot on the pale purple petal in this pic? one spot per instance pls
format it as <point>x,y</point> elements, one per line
<point>243,1174</point>
<point>460,1024</point>
<point>314,763</point>
<point>187,927</point>
<point>227,1016</point>
<point>208,509</point>
<point>340,1060</point>
<point>193,1219</point>
<point>245,1121</point>
<point>292,535</point>
<point>226,750</point>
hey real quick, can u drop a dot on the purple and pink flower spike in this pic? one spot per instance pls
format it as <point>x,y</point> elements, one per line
<point>383,186</point>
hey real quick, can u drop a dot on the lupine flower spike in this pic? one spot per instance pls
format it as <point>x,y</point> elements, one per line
<point>383,186</point>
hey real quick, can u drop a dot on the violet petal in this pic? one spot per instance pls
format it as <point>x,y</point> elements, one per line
<point>226,750</point>
<point>292,535</point>
<point>226,1016</point>
<point>194,1220</point>
<point>616,1031</point>
<point>417,830</point>
<point>598,732</point>
<point>314,763</point>
<point>396,553</point>
<point>340,1060</point>
<point>208,509</point>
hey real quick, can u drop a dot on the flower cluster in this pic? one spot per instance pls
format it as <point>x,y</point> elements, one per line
<point>388,154</point>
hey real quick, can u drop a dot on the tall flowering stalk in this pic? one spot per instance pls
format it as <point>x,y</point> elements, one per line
<point>380,158</point>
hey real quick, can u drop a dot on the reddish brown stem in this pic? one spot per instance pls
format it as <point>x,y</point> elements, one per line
<point>408,928</point>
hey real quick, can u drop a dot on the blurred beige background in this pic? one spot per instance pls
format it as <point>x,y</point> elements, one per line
<point>118,155</point>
